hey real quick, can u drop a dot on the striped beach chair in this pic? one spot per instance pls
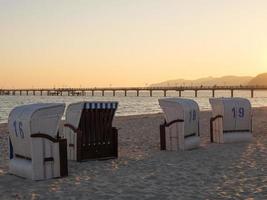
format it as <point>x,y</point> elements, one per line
<point>89,132</point>
<point>35,150</point>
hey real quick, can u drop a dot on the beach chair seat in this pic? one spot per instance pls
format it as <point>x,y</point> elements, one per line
<point>35,151</point>
<point>231,120</point>
<point>180,130</point>
<point>89,132</point>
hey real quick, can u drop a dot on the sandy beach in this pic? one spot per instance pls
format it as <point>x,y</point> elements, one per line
<point>215,171</point>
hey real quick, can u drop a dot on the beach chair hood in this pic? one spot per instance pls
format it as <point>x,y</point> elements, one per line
<point>30,119</point>
<point>73,113</point>
<point>184,109</point>
<point>74,110</point>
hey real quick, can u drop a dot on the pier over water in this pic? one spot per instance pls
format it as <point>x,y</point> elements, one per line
<point>125,90</point>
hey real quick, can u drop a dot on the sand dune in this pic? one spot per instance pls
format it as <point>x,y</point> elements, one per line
<point>229,171</point>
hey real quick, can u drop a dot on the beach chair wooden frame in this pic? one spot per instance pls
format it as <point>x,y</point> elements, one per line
<point>41,140</point>
<point>95,137</point>
<point>163,132</point>
<point>220,117</point>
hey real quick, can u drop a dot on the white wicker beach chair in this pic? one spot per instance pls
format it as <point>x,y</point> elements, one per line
<point>231,120</point>
<point>35,150</point>
<point>181,128</point>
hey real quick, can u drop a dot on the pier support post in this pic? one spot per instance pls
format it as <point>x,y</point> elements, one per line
<point>41,93</point>
<point>213,93</point>
<point>137,93</point>
<point>103,93</point>
<point>196,93</point>
<point>114,93</point>
<point>180,93</point>
<point>27,92</point>
<point>151,92</point>
<point>232,93</point>
<point>125,93</point>
<point>20,92</point>
<point>33,92</point>
<point>165,93</point>
<point>93,93</point>
<point>252,93</point>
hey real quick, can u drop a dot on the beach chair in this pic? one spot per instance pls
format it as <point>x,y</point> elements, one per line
<point>35,151</point>
<point>231,120</point>
<point>180,130</point>
<point>89,131</point>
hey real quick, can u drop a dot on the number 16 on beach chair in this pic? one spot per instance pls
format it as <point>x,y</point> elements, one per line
<point>231,120</point>
<point>89,131</point>
<point>180,130</point>
<point>35,150</point>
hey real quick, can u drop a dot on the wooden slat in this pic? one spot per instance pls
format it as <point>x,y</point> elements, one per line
<point>99,138</point>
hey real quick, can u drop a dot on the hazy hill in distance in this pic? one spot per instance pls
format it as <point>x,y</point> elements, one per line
<point>208,81</point>
<point>260,80</point>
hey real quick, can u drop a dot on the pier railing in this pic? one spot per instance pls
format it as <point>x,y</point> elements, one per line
<point>125,90</point>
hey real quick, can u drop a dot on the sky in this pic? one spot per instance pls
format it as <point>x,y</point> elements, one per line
<point>110,43</point>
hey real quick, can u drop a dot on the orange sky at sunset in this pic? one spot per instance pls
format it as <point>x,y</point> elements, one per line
<point>92,43</point>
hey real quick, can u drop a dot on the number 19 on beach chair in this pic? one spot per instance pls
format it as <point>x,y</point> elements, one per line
<point>231,120</point>
<point>89,131</point>
<point>181,128</point>
<point>35,150</point>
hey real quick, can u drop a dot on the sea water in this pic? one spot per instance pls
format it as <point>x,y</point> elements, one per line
<point>130,105</point>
